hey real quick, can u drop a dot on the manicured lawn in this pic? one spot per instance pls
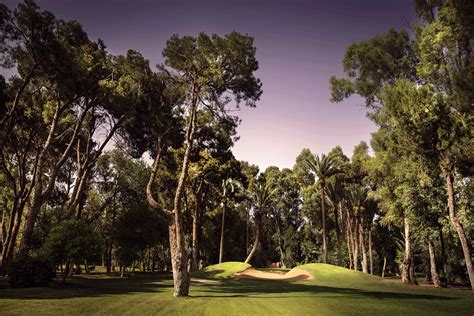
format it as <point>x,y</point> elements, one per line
<point>333,291</point>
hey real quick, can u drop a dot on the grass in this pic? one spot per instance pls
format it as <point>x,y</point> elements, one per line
<point>221,270</point>
<point>333,291</point>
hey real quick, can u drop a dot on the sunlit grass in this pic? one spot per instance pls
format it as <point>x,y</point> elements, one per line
<point>333,291</point>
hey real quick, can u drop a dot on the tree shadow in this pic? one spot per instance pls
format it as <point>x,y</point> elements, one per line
<point>254,288</point>
<point>96,284</point>
<point>100,284</point>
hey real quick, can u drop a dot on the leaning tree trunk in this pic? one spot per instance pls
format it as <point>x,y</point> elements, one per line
<point>40,196</point>
<point>323,219</point>
<point>221,247</point>
<point>384,265</point>
<point>434,271</point>
<point>362,246</point>
<point>407,261</point>
<point>256,244</point>
<point>459,228</point>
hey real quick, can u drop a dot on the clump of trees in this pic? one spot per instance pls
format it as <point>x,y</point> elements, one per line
<point>171,196</point>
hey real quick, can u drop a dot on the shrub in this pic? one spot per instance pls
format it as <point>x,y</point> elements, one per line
<point>28,271</point>
<point>71,242</point>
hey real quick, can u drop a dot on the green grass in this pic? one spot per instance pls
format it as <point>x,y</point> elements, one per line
<point>221,270</point>
<point>333,291</point>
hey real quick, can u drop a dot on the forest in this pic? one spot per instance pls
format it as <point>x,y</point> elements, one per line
<point>110,165</point>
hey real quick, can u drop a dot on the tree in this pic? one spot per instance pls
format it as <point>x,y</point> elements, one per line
<point>208,70</point>
<point>228,188</point>
<point>262,195</point>
<point>323,167</point>
<point>71,242</point>
<point>52,97</point>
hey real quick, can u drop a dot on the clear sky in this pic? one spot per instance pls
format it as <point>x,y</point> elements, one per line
<point>300,44</point>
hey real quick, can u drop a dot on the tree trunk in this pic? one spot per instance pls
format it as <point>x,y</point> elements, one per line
<point>443,252</point>
<point>370,252</point>
<point>349,244</point>
<point>280,244</point>
<point>336,223</point>
<point>221,248</point>
<point>196,235</point>
<point>458,227</point>
<point>323,219</point>
<point>434,271</point>
<point>39,195</point>
<point>362,246</point>
<point>179,262</point>
<point>355,244</point>
<point>384,266</point>
<point>407,261</point>
<point>256,243</point>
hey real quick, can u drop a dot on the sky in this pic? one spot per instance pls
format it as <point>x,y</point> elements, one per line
<point>300,44</point>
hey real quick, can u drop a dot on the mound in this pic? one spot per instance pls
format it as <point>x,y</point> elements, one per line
<point>335,274</point>
<point>294,274</point>
<point>222,270</point>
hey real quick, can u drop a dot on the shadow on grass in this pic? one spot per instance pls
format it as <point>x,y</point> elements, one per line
<point>254,288</point>
<point>102,285</point>
<point>96,284</point>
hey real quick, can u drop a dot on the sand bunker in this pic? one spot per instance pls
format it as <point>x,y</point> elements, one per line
<point>294,274</point>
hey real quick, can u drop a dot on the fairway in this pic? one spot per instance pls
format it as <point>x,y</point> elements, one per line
<point>333,291</point>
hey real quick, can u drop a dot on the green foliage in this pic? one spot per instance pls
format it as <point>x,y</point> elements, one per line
<point>28,271</point>
<point>73,241</point>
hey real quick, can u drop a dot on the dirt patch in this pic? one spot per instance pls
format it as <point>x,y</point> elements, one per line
<point>294,274</point>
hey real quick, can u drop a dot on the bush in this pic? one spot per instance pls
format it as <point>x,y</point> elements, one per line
<point>28,271</point>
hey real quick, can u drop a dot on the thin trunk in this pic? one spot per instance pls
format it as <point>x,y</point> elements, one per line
<point>196,235</point>
<point>323,218</point>
<point>221,248</point>
<point>280,244</point>
<point>459,228</point>
<point>349,244</point>
<point>256,243</point>
<point>336,223</point>
<point>39,195</point>
<point>434,271</point>
<point>370,252</point>
<point>443,253</point>
<point>247,232</point>
<point>362,246</point>
<point>356,244</point>
<point>384,266</point>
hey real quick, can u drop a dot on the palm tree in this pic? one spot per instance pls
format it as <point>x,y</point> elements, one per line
<point>323,167</point>
<point>262,195</point>
<point>335,195</point>
<point>228,187</point>
<point>358,198</point>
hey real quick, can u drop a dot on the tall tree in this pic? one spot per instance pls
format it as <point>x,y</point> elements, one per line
<point>208,69</point>
<point>262,195</point>
<point>323,167</point>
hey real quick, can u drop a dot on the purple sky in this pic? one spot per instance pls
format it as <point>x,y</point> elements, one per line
<point>300,44</point>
